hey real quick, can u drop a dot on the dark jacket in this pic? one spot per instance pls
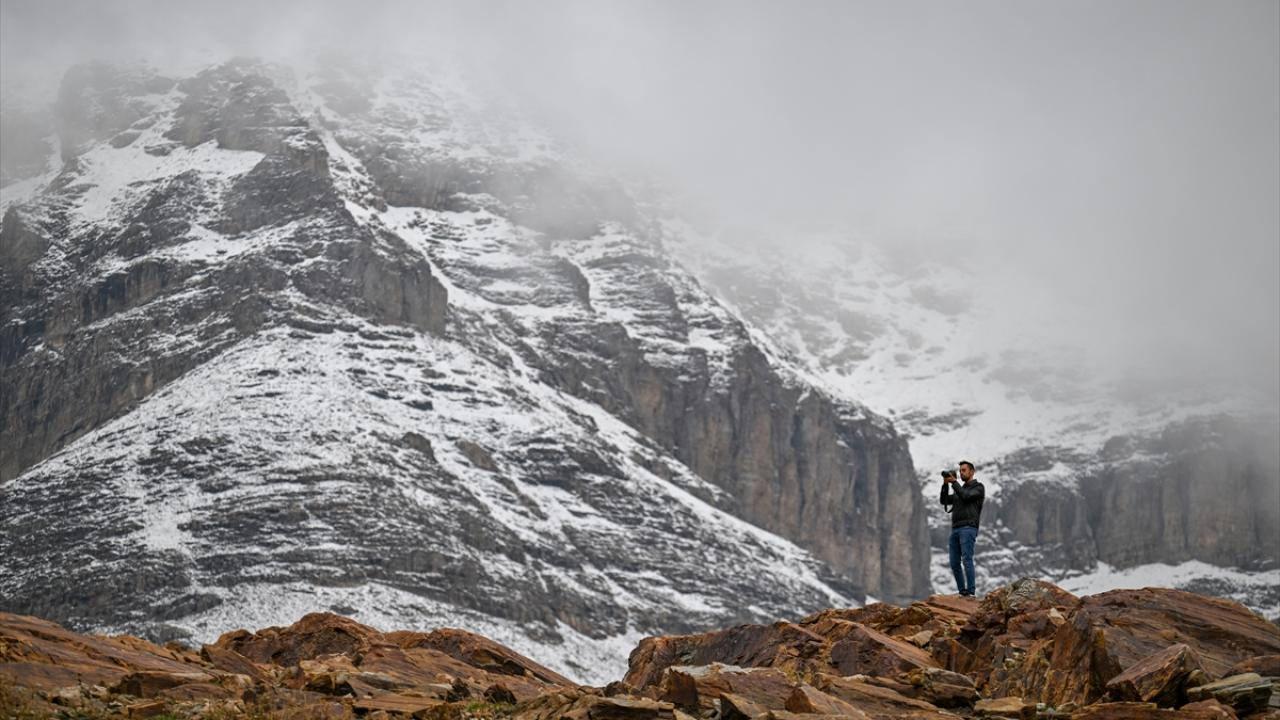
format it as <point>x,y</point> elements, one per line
<point>967,502</point>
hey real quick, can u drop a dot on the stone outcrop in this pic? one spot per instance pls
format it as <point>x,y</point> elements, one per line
<point>1031,642</point>
<point>321,662</point>
<point>990,661</point>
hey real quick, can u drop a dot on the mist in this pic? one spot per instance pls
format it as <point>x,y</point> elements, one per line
<point>1119,160</point>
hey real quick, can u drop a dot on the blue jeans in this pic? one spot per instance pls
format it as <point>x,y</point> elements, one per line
<point>962,539</point>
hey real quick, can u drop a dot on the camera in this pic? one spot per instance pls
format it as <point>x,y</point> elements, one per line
<point>948,474</point>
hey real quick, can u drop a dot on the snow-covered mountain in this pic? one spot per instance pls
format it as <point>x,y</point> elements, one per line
<point>281,340</point>
<point>275,340</point>
<point>1092,482</point>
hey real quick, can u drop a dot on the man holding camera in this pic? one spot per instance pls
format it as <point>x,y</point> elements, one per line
<point>964,502</point>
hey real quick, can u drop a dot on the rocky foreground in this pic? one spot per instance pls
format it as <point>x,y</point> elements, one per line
<point>1028,650</point>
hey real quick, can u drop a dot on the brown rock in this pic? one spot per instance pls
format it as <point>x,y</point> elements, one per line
<point>1247,692</point>
<point>395,703</point>
<point>1091,648</point>
<point>1161,678</point>
<point>479,652</point>
<point>577,704</point>
<point>192,692</point>
<point>939,687</point>
<point>788,715</point>
<point>145,709</point>
<point>698,687</point>
<point>878,702</point>
<point>1123,711</point>
<point>618,687</point>
<point>232,662</point>
<point>1222,632</point>
<point>736,707</point>
<point>499,693</point>
<point>314,635</point>
<point>864,651</point>
<point>623,708</point>
<point>1019,598</point>
<point>149,683</point>
<point>950,609</point>
<point>1208,710</point>
<point>1005,707</point>
<point>782,645</point>
<point>42,655</point>
<point>1264,665</point>
<point>336,655</point>
<point>810,700</point>
<point>921,639</point>
<point>548,706</point>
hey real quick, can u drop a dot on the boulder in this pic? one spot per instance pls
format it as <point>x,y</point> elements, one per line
<point>1247,692</point>
<point>782,645</point>
<point>393,703</point>
<point>314,635</point>
<point>878,702</point>
<point>812,701</point>
<point>150,683</point>
<point>1005,707</point>
<point>736,707</point>
<point>232,662</point>
<point>864,651</point>
<point>479,652</point>
<point>1208,710</point>
<point>145,709</point>
<point>1264,665</point>
<point>1161,678</point>
<point>939,687</point>
<point>696,688</point>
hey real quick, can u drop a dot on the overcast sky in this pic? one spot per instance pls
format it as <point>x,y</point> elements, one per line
<point>1128,153</point>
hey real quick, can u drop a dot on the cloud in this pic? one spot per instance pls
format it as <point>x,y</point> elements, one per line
<point>1125,155</point>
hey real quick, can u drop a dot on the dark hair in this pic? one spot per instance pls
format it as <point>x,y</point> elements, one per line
<point>971,467</point>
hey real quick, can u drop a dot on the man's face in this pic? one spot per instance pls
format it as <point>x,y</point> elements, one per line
<point>966,473</point>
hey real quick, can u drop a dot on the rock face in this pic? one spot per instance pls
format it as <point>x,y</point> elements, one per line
<point>342,341</point>
<point>132,289</point>
<point>1014,655</point>
<point>1200,489</point>
<point>1084,475</point>
<point>667,359</point>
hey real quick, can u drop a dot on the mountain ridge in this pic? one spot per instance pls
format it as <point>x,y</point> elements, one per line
<point>254,373</point>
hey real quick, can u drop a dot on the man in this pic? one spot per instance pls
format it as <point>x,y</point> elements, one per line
<point>964,502</point>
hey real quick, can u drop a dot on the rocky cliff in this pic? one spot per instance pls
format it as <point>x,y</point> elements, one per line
<point>341,336</point>
<point>1087,478</point>
<point>1028,650</point>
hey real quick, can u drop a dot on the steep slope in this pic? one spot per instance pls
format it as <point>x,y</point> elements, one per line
<point>1085,477</point>
<point>266,346</point>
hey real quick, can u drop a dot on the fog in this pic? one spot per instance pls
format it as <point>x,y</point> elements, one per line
<point>1122,159</point>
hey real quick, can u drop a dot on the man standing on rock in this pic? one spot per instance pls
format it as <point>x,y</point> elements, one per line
<point>964,502</point>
